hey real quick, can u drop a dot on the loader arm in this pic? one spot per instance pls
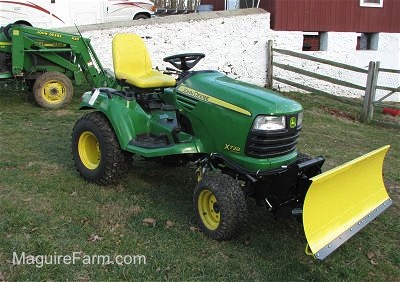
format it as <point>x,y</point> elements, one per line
<point>52,46</point>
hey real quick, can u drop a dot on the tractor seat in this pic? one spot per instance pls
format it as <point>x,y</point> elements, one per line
<point>132,63</point>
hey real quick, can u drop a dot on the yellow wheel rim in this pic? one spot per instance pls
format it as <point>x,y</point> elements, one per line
<point>89,150</point>
<point>53,92</point>
<point>209,209</point>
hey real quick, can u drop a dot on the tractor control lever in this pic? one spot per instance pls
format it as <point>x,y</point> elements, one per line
<point>171,69</point>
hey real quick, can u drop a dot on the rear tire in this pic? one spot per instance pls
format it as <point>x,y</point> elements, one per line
<point>9,27</point>
<point>220,206</point>
<point>53,90</point>
<point>141,17</point>
<point>96,151</point>
<point>6,31</point>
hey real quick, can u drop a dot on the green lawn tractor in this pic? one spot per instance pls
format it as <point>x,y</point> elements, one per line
<point>49,61</point>
<point>242,138</point>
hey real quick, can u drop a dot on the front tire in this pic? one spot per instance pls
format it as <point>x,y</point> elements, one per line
<point>220,206</point>
<point>53,90</point>
<point>141,17</point>
<point>96,151</point>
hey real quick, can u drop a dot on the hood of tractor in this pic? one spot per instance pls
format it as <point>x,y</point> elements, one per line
<point>246,98</point>
<point>223,111</point>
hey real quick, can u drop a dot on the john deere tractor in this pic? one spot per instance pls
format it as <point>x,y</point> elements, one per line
<point>242,138</point>
<point>49,61</point>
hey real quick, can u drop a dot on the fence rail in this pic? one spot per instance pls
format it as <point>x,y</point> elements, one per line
<point>368,105</point>
<point>319,92</point>
<point>319,60</point>
<point>319,76</point>
<point>389,70</point>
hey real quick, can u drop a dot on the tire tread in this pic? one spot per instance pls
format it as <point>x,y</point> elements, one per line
<point>117,161</point>
<point>47,76</point>
<point>232,205</point>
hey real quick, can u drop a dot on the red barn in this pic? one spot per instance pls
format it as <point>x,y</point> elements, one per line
<point>365,16</point>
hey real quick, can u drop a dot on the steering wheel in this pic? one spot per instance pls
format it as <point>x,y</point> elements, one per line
<point>185,61</point>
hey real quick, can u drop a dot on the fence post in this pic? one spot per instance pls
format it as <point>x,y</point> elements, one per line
<point>269,63</point>
<point>373,91</point>
<point>370,91</point>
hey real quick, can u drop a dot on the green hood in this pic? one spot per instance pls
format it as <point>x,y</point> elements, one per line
<point>257,100</point>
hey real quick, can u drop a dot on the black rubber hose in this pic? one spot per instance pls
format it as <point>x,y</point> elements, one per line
<point>7,31</point>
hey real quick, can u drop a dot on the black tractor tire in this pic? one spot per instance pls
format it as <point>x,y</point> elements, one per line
<point>22,22</point>
<point>53,90</point>
<point>9,27</point>
<point>96,151</point>
<point>220,206</point>
<point>141,17</point>
<point>6,31</point>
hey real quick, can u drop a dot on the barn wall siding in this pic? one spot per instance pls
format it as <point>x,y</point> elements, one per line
<point>328,15</point>
<point>338,15</point>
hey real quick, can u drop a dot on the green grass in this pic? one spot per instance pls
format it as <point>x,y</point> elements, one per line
<point>47,208</point>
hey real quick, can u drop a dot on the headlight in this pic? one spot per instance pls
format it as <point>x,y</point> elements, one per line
<point>300,119</point>
<point>270,123</point>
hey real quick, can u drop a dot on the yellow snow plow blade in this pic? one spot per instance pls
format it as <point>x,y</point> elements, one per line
<point>342,201</point>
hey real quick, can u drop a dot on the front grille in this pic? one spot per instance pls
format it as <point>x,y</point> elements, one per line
<point>261,144</point>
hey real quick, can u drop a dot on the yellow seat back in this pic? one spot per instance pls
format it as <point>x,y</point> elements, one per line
<point>132,63</point>
<point>130,56</point>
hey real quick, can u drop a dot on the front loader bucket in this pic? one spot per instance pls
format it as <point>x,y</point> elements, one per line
<point>342,201</point>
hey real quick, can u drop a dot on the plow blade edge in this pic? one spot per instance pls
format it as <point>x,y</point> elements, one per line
<point>342,201</point>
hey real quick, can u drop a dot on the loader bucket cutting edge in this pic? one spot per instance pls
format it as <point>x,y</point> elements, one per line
<point>342,201</point>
